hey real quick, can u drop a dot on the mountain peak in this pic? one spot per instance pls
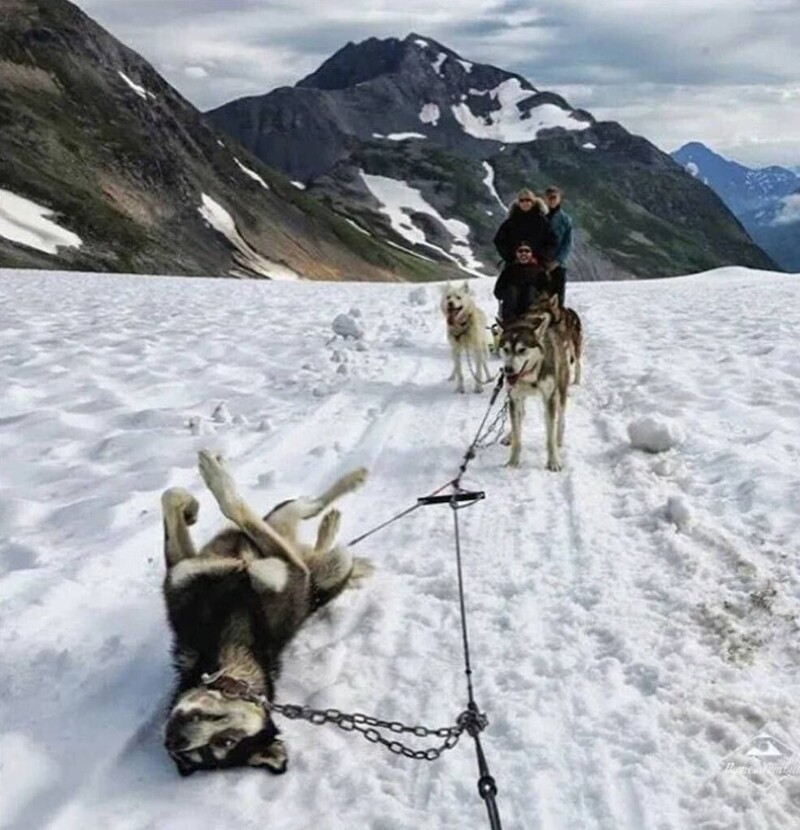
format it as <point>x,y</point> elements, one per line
<point>356,63</point>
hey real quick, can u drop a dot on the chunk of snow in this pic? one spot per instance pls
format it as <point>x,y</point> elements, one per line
<point>418,296</point>
<point>252,174</point>
<point>26,223</point>
<point>346,326</point>
<point>654,433</point>
<point>221,414</point>
<point>679,512</point>
<point>199,426</point>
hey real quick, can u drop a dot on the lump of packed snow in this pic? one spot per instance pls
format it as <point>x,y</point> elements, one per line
<point>678,512</point>
<point>654,433</point>
<point>221,414</point>
<point>346,326</point>
<point>419,296</point>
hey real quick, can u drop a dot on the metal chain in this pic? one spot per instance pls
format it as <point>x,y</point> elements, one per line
<point>369,726</point>
<point>494,432</point>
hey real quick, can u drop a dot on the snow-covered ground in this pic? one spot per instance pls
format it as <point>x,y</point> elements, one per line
<point>633,619</point>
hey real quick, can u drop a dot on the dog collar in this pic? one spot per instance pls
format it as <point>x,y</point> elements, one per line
<point>233,688</point>
<point>512,380</point>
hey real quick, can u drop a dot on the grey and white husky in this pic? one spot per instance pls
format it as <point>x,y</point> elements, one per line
<point>536,362</point>
<point>233,606</point>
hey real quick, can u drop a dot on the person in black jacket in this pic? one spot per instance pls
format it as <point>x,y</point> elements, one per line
<point>520,284</point>
<point>527,220</point>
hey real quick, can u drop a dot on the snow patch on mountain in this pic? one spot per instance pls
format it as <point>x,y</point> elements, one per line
<point>137,88</point>
<point>252,174</point>
<point>399,136</point>
<point>430,114</point>
<point>489,182</point>
<point>26,223</point>
<point>439,63</point>
<point>508,123</point>
<point>398,199</point>
<point>252,260</point>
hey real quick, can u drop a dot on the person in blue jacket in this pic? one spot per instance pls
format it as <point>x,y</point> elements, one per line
<point>561,225</point>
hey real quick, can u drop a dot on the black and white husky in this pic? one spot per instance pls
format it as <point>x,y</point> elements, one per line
<point>233,606</point>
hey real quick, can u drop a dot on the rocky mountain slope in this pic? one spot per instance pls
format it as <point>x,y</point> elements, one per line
<point>765,200</point>
<point>104,166</point>
<point>425,149</point>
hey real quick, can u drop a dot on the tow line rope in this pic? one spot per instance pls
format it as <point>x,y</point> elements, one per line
<point>471,720</point>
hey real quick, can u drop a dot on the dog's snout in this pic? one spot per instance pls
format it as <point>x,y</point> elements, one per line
<point>175,740</point>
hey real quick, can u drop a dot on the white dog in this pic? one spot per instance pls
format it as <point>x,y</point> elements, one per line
<point>466,333</point>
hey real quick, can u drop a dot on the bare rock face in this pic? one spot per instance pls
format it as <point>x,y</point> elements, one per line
<point>92,134</point>
<point>466,137</point>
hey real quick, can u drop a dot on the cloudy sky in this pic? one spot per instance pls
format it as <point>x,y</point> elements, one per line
<point>725,72</point>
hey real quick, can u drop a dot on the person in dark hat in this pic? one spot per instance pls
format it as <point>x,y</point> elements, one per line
<point>561,225</point>
<point>527,220</point>
<point>520,284</point>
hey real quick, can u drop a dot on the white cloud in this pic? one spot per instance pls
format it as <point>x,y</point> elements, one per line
<point>790,210</point>
<point>195,72</point>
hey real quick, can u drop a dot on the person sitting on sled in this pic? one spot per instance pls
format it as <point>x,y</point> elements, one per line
<point>520,284</point>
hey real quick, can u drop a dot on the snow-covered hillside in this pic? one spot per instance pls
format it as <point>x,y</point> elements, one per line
<point>633,619</point>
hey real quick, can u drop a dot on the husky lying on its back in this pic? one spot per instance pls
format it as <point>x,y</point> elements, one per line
<point>466,333</point>
<point>233,607</point>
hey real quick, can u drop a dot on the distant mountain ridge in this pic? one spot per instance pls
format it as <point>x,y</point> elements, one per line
<point>424,149</point>
<point>92,135</point>
<point>763,199</point>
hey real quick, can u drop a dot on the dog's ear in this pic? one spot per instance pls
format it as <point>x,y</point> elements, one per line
<point>272,758</point>
<point>542,327</point>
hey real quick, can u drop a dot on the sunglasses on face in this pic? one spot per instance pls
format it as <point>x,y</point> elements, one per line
<point>524,251</point>
<point>526,199</point>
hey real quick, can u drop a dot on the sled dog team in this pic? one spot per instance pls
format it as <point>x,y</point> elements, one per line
<point>541,350</point>
<point>234,604</point>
